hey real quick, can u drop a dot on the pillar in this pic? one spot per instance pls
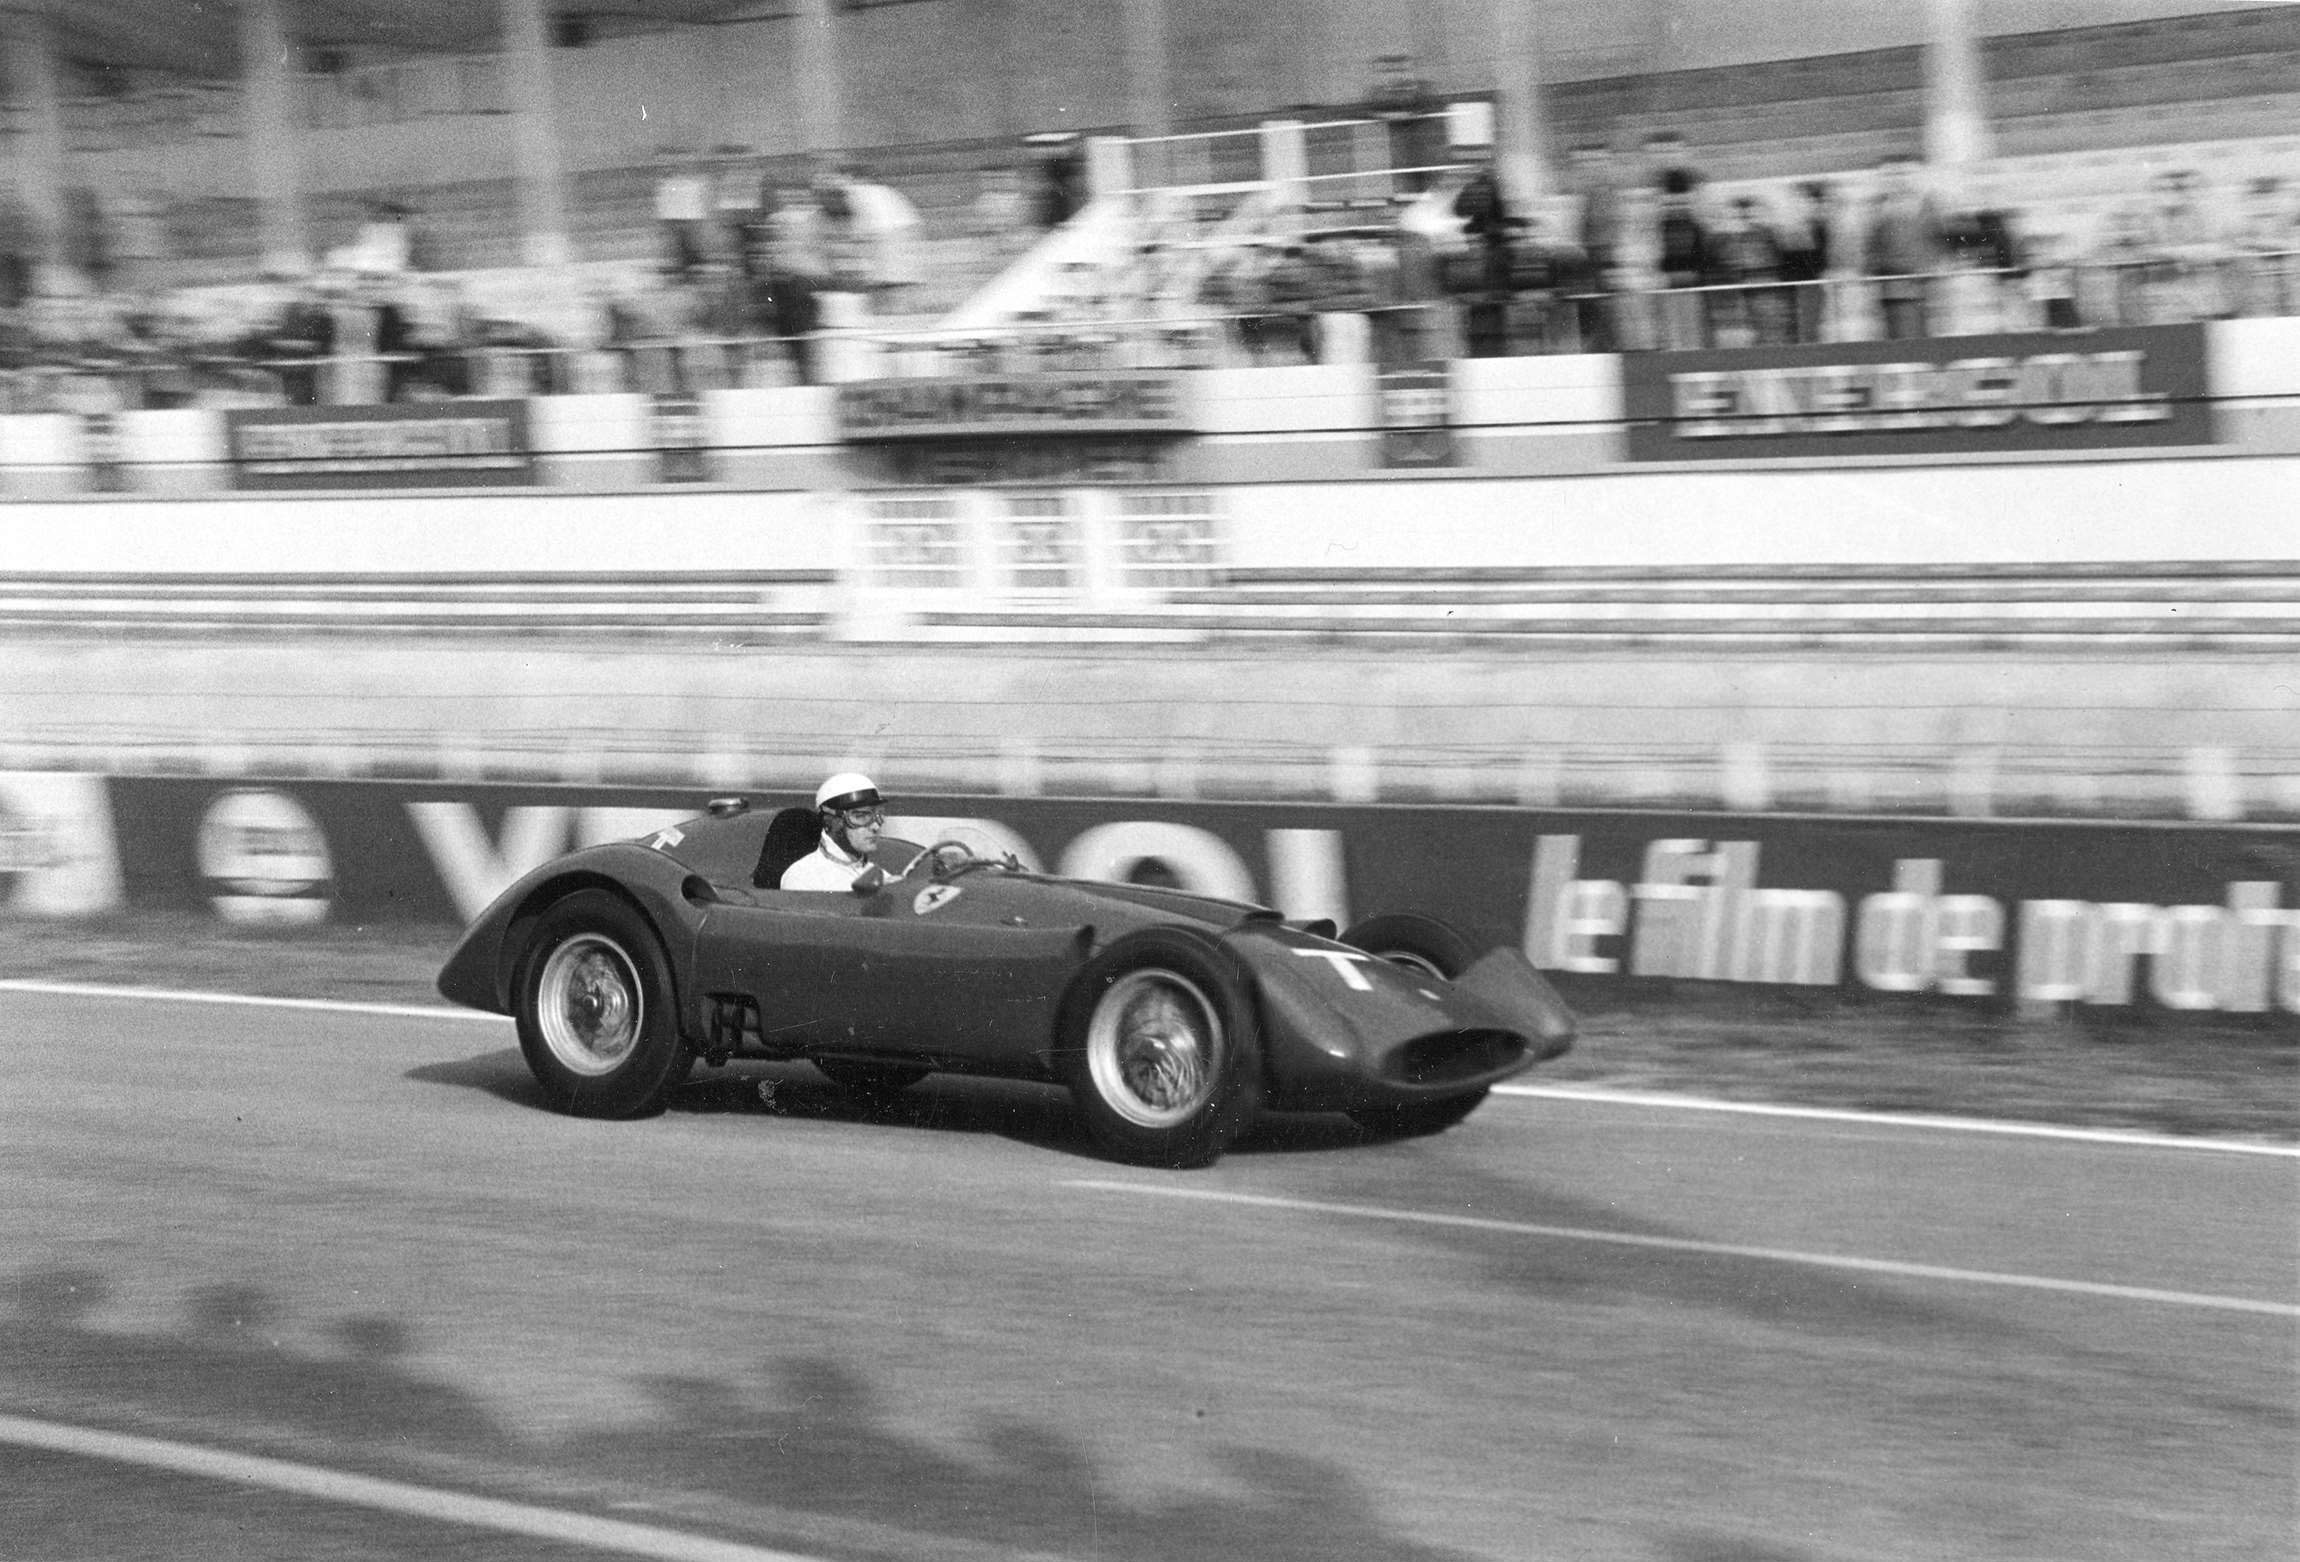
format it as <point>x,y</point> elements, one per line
<point>1150,104</point>
<point>535,169</point>
<point>1521,154</point>
<point>268,80</point>
<point>1956,124</point>
<point>28,40</point>
<point>821,105</point>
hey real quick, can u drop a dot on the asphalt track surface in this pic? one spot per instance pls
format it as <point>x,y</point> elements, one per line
<point>301,1282</point>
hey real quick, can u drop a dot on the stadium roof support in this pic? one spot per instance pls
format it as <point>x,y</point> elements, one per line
<point>268,108</point>
<point>28,40</point>
<point>542,183</point>
<point>1956,122</point>
<point>1523,154</point>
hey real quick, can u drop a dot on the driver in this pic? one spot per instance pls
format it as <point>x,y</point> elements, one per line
<point>853,815</point>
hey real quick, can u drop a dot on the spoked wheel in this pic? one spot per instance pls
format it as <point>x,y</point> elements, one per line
<point>595,1011</point>
<point>875,1085</point>
<point>1161,1050</point>
<point>1426,947</point>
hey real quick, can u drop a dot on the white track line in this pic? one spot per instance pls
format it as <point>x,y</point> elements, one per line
<point>1597,1096</point>
<point>419,1011</point>
<point>361,1491</point>
<point>1826,1114</point>
<point>1876,1266</point>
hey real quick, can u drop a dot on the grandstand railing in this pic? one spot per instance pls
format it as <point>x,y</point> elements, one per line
<point>1179,337</point>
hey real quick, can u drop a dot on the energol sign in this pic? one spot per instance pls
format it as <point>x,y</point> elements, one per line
<point>1943,396</point>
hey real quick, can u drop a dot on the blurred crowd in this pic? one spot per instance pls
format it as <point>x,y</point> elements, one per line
<point>1633,252</point>
<point>1647,257</point>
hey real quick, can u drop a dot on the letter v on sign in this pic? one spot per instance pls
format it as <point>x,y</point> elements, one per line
<point>474,868</point>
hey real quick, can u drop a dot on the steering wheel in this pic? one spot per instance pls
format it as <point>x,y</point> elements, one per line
<point>945,860</point>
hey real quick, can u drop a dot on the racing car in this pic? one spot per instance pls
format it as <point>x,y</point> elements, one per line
<point>1174,1018</point>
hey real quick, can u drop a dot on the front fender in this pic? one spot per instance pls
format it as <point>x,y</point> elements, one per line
<point>1341,1029</point>
<point>480,970</point>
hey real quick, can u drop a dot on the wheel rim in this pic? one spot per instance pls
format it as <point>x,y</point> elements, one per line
<point>589,1005</point>
<point>1151,1048</point>
<point>1410,961</point>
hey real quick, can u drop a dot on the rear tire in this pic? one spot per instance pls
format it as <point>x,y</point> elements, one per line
<point>1160,1049</point>
<point>597,1021</point>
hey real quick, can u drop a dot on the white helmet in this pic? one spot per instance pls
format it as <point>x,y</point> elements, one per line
<point>848,789</point>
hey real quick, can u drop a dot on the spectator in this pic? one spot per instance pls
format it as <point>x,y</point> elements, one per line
<point>2266,246</point>
<point>1904,249</point>
<point>1594,232</point>
<point>2113,286</point>
<point>790,269</point>
<point>1749,309</point>
<point>887,225</point>
<point>2052,282</point>
<point>999,220</point>
<point>682,212</point>
<point>1409,325</point>
<point>386,242</point>
<point>1292,286</point>
<point>2187,277</point>
<point>1544,268</point>
<point>1685,263</point>
<point>1061,181</point>
<point>1805,259</point>
<point>1634,280</point>
<point>1981,254</point>
<point>296,342</point>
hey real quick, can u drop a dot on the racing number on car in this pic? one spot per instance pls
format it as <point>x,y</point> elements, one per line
<point>1345,962</point>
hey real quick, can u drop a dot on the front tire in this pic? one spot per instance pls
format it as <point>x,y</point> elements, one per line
<point>1431,948</point>
<point>597,1022</point>
<point>1161,1050</point>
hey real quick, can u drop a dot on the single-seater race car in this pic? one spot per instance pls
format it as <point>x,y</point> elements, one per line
<point>1174,1018</point>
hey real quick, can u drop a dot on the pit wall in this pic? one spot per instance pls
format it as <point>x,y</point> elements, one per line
<point>2181,920</point>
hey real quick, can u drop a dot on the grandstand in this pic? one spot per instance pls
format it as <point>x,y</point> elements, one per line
<point>1272,519</point>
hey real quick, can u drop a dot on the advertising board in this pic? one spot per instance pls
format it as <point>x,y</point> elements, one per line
<point>431,444</point>
<point>997,406</point>
<point>2036,391</point>
<point>2168,917</point>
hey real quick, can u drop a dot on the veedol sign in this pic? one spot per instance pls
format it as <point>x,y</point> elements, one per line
<point>2175,918</point>
<point>1941,396</point>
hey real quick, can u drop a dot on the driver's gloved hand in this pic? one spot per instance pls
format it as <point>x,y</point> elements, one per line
<point>872,877</point>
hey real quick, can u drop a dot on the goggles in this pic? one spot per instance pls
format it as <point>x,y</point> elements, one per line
<point>871,814</point>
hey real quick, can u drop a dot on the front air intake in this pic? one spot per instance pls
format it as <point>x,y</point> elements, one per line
<point>1454,1055</point>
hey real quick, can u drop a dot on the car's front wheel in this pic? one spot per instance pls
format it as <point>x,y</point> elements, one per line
<point>596,1018</point>
<point>1161,1050</point>
<point>1430,948</point>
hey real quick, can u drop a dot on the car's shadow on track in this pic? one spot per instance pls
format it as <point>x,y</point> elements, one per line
<point>1036,1115</point>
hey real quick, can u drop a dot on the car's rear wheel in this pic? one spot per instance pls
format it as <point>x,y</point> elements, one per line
<point>1161,1050</point>
<point>596,1019</point>
<point>875,1085</point>
<point>1431,948</point>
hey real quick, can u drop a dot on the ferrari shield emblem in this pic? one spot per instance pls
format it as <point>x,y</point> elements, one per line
<point>934,897</point>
